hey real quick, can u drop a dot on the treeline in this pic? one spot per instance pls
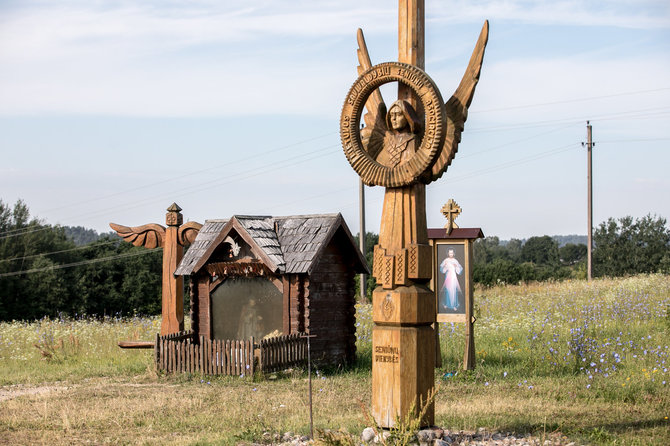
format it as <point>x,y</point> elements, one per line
<point>44,273</point>
<point>621,247</point>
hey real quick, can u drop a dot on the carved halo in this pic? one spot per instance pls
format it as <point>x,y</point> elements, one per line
<point>371,172</point>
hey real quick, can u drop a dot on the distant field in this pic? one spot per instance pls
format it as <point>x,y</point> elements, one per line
<point>588,360</point>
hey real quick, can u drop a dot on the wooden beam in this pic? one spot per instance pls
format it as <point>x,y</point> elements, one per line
<point>286,305</point>
<point>411,47</point>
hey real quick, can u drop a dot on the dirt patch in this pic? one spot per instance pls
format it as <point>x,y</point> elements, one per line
<point>11,392</point>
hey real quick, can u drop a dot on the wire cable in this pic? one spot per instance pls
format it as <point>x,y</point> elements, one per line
<point>84,262</point>
<point>88,246</point>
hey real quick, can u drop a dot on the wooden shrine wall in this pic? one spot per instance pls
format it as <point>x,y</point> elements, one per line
<point>330,307</point>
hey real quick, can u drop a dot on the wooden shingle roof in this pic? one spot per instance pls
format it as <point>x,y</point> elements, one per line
<point>206,236</point>
<point>289,244</point>
<point>303,236</point>
<point>262,231</point>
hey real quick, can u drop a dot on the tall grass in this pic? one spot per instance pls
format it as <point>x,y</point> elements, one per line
<point>67,349</point>
<point>587,359</point>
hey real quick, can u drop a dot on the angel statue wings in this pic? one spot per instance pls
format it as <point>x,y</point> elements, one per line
<point>392,138</point>
<point>403,148</point>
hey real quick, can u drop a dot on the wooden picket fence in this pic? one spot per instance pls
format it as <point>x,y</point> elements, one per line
<point>281,352</point>
<point>185,353</point>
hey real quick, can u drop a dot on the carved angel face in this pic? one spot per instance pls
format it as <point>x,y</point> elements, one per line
<point>397,118</point>
<point>401,117</point>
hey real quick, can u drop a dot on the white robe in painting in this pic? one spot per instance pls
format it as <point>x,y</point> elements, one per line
<point>451,289</point>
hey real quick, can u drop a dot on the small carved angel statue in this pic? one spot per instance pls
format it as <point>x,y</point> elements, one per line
<point>394,140</point>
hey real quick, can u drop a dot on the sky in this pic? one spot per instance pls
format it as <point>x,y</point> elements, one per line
<point>112,111</point>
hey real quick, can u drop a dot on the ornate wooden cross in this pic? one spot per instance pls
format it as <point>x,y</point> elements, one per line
<point>451,210</point>
<point>404,148</point>
<point>172,240</point>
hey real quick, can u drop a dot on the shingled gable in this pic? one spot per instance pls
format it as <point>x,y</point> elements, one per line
<point>304,237</point>
<point>257,231</point>
<point>291,244</point>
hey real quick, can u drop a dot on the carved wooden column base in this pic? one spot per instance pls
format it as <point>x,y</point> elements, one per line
<point>403,353</point>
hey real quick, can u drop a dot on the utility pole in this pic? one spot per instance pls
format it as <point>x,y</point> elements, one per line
<point>589,246</point>
<point>361,236</point>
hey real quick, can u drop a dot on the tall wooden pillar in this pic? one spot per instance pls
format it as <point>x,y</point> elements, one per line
<point>172,240</point>
<point>173,286</point>
<point>403,339</point>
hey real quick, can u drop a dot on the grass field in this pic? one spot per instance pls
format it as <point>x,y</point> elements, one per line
<point>588,360</point>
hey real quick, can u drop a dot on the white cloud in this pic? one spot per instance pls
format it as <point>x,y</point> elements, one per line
<point>624,14</point>
<point>178,59</point>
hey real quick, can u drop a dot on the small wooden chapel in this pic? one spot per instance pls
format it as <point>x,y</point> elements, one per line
<point>261,275</point>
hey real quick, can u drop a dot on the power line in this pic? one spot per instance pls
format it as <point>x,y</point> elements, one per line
<point>197,172</point>
<point>213,183</point>
<point>84,262</point>
<point>604,117</point>
<point>571,101</point>
<point>89,246</point>
<point>256,171</point>
<point>480,172</point>
<point>632,140</point>
<point>287,162</point>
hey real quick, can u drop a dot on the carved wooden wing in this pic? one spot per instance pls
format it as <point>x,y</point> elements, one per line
<point>372,135</point>
<point>150,236</point>
<point>457,106</point>
<point>187,232</point>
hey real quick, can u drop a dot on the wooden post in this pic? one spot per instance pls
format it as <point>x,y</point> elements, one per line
<point>469,355</point>
<point>403,337</point>
<point>173,287</point>
<point>172,240</point>
<point>589,246</point>
<point>286,315</point>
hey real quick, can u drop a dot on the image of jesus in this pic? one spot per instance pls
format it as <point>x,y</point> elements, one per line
<point>450,293</point>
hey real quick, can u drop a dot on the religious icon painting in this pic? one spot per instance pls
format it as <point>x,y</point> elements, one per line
<point>451,274</point>
<point>452,279</point>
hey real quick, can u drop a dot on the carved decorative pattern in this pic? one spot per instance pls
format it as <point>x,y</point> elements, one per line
<point>187,232</point>
<point>388,307</point>
<point>413,264</point>
<point>400,267</point>
<point>150,236</point>
<point>371,172</point>
<point>377,270</point>
<point>388,272</point>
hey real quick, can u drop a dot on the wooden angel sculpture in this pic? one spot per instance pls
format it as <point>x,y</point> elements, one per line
<point>172,239</point>
<point>374,136</point>
<point>404,148</point>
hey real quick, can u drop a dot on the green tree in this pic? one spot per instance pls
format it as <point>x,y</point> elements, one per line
<point>24,244</point>
<point>41,274</point>
<point>628,246</point>
<point>571,254</point>
<point>540,251</point>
